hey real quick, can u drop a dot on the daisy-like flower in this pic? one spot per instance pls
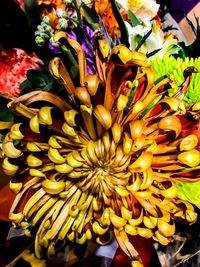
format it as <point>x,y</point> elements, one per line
<point>14,65</point>
<point>143,9</point>
<point>104,165</point>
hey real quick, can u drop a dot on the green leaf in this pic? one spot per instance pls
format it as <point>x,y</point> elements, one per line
<point>143,40</point>
<point>6,114</point>
<point>189,191</point>
<point>120,21</point>
<point>37,79</point>
<point>32,10</point>
<point>134,20</point>
<point>91,15</point>
<point>25,84</point>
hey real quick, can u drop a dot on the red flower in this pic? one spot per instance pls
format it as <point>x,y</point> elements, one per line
<point>14,65</point>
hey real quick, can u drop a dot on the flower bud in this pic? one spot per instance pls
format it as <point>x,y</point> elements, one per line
<point>62,24</point>
<point>40,41</point>
<point>46,20</point>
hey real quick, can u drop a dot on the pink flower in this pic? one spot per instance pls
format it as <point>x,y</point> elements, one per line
<point>14,64</point>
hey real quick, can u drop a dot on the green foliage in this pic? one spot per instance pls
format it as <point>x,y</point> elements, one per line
<point>37,80</point>
<point>174,68</point>
<point>189,191</point>
<point>134,20</point>
<point>91,15</point>
<point>120,21</point>
<point>5,114</point>
<point>32,10</point>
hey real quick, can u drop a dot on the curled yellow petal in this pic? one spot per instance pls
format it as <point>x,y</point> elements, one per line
<point>92,82</point>
<point>117,221</point>
<point>165,228</point>
<point>189,142</point>
<point>103,116</point>
<point>136,128</point>
<point>122,102</point>
<point>104,47</point>
<point>142,163</point>
<point>170,123</point>
<point>116,132</point>
<point>190,158</point>
<point>123,53</point>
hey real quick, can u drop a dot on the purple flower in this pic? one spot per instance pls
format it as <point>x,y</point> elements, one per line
<point>85,37</point>
<point>54,47</point>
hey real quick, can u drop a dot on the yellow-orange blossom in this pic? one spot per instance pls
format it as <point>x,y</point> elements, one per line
<point>103,165</point>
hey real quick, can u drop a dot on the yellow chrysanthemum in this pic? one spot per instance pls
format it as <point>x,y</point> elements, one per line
<point>103,165</point>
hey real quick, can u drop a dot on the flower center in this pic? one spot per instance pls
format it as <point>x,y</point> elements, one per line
<point>134,4</point>
<point>106,165</point>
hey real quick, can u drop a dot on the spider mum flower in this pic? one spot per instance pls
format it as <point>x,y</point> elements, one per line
<point>14,65</point>
<point>103,165</point>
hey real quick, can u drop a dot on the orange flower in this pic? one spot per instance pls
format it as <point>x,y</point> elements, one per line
<point>50,8</point>
<point>50,2</point>
<point>104,9</point>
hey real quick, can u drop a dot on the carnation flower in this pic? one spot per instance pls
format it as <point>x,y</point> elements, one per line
<point>14,65</point>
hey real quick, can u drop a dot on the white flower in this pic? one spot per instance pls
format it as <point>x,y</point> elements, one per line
<point>155,40</point>
<point>143,9</point>
<point>59,12</point>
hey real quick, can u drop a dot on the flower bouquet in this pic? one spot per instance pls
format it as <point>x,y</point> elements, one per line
<point>99,139</point>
